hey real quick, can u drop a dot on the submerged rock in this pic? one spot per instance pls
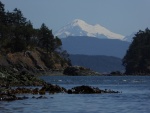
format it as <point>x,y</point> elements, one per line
<point>11,97</point>
<point>41,97</point>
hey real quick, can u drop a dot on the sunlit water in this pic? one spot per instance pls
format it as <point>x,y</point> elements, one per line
<point>135,96</point>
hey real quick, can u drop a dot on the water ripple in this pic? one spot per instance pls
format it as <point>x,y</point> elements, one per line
<point>134,99</point>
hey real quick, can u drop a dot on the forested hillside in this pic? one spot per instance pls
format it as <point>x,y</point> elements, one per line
<point>137,58</point>
<point>19,39</point>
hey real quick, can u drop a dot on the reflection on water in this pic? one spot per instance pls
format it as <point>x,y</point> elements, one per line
<point>134,99</point>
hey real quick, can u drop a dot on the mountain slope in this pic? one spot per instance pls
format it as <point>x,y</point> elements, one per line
<point>98,63</point>
<point>94,46</point>
<point>81,28</point>
<point>130,37</point>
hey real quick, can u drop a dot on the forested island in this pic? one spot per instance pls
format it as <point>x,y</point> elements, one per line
<point>137,58</point>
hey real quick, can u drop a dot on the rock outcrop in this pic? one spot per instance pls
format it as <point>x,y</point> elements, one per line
<point>53,88</point>
<point>12,77</point>
<point>89,90</point>
<point>34,61</point>
<point>9,94</point>
<point>78,70</point>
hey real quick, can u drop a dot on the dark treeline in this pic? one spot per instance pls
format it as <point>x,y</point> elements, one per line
<point>137,58</point>
<point>17,34</point>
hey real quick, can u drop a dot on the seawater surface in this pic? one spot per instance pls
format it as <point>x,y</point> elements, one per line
<point>135,96</point>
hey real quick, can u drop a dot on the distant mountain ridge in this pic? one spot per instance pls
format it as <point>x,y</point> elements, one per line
<point>81,28</point>
<point>94,46</point>
<point>99,63</point>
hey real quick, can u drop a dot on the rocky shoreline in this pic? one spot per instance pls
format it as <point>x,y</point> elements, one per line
<point>9,94</point>
<point>14,82</point>
<point>12,77</point>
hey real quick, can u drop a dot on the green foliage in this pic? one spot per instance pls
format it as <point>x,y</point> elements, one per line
<point>137,58</point>
<point>13,31</point>
<point>17,34</point>
<point>46,39</point>
<point>2,13</point>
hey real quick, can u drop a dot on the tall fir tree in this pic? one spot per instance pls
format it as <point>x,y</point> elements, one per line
<point>46,38</point>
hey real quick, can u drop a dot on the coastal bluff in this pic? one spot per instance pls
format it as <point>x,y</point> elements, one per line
<point>35,61</point>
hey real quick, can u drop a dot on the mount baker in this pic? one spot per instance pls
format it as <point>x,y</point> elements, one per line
<point>80,28</point>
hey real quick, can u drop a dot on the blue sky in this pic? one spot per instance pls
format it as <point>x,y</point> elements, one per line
<point>120,16</point>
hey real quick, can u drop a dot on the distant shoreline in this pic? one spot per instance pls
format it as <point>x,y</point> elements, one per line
<point>56,73</point>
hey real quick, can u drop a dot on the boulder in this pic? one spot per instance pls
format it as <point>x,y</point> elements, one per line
<point>53,88</point>
<point>89,90</point>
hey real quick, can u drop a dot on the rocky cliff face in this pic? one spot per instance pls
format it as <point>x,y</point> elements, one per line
<point>33,61</point>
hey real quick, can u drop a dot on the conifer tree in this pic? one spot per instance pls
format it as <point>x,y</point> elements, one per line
<point>46,38</point>
<point>137,58</point>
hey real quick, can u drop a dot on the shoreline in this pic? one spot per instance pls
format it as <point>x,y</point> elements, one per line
<point>21,80</point>
<point>60,73</point>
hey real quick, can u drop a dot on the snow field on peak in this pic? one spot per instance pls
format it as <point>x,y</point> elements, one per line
<point>81,28</point>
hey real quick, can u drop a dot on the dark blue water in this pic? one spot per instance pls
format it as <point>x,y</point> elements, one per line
<point>135,96</point>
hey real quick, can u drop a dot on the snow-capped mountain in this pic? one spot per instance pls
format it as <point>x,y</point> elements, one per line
<point>81,28</point>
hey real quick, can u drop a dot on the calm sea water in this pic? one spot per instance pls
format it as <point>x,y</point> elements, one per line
<point>135,96</point>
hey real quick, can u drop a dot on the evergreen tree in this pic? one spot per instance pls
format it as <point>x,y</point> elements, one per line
<point>18,18</point>
<point>28,34</point>
<point>46,38</point>
<point>137,58</point>
<point>2,13</point>
<point>18,27</point>
<point>2,19</point>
